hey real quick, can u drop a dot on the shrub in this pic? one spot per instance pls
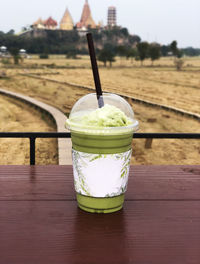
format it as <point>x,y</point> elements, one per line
<point>5,61</point>
<point>179,64</point>
<point>71,55</point>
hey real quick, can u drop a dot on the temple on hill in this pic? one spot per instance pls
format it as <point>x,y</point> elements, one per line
<point>66,22</point>
<point>86,18</point>
<point>112,16</point>
<point>50,23</point>
<point>38,24</point>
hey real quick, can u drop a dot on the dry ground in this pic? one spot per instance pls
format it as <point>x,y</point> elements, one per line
<point>161,84</point>
<point>83,61</point>
<point>164,86</point>
<point>17,117</point>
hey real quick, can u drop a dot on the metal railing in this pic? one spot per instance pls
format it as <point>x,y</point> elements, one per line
<point>34,135</point>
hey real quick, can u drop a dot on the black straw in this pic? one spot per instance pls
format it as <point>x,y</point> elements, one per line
<point>95,70</point>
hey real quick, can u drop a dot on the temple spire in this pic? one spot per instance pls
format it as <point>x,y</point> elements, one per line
<point>66,22</point>
<point>86,17</point>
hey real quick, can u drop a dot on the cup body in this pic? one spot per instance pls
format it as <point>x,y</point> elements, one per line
<point>101,168</point>
<point>101,150</point>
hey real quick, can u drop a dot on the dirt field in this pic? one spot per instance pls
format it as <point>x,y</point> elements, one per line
<point>160,84</point>
<point>16,117</point>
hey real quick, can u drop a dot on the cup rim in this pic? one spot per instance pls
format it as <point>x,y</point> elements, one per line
<point>72,126</point>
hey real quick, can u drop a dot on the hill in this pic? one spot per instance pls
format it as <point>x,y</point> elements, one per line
<point>61,41</point>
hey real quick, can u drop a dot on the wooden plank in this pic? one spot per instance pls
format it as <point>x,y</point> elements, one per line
<point>58,232</point>
<point>56,183</point>
<point>164,183</point>
<point>36,183</point>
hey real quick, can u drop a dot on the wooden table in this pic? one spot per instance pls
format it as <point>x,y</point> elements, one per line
<point>40,221</point>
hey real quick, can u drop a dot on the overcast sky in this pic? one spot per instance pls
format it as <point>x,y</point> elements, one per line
<point>153,20</point>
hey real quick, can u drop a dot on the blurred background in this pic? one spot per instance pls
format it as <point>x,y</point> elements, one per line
<point>147,51</point>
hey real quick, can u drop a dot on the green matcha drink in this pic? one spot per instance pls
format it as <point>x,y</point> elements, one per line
<point>101,140</point>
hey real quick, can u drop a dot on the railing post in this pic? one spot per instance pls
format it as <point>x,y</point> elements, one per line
<point>148,143</point>
<point>32,150</point>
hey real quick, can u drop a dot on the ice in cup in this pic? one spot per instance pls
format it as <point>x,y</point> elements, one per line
<point>101,151</point>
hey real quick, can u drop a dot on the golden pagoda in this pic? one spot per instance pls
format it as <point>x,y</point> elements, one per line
<point>86,18</point>
<point>67,22</point>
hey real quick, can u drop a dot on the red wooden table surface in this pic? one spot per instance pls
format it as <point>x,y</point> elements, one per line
<point>40,221</point>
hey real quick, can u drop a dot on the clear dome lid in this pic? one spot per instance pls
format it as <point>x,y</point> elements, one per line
<point>88,104</point>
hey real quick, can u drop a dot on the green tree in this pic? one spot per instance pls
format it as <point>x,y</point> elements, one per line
<point>178,62</point>
<point>15,54</point>
<point>11,32</point>
<point>124,31</point>
<point>190,51</point>
<point>134,39</point>
<point>111,59</point>
<point>174,48</point>
<point>131,53</point>
<point>179,54</point>
<point>143,50</point>
<point>154,52</point>
<point>105,55</point>
<point>121,51</point>
<point>164,50</point>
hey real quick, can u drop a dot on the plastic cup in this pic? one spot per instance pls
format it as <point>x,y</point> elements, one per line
<point>101,156</point>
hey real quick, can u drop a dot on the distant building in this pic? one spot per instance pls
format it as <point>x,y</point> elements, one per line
<point>39,24</point>
<point>112,16</point>
<point>67,22</point>
<point>86,18</point>
<point>50,23</point>
<point>86,22</point>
